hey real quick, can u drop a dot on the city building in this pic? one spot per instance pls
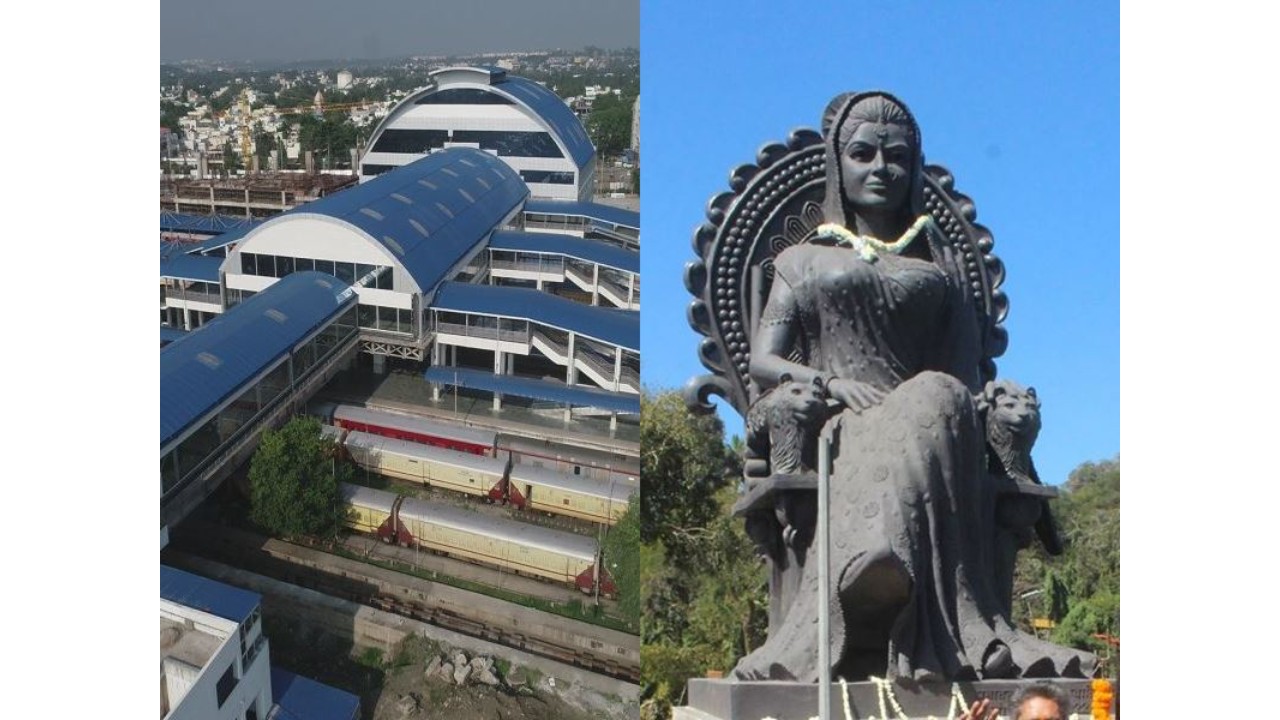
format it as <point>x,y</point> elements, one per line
<point>215,660</point>
<point>518,120</point>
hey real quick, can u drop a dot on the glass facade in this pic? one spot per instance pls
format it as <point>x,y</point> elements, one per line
<point>547,176</point>
<point>226,427</point>
<point>410,141</point>
<point>278,266</point>
<point>374,169</point>
<point>511,143</point>
<point>397,320</point>
<point>463,96</point>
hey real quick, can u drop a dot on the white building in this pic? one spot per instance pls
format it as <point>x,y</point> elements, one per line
<point>214,659</point>
<point>344,79</point>
<point>523,123</point>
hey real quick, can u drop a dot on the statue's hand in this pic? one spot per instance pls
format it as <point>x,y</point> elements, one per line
<point>857,396</point>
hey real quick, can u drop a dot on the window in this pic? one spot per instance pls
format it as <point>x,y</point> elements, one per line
<point>248,263</point>
<point>284,266</point>
<point>226,684</point>
<point>463,96</point>
<point>346,272</point>
<point>409,141</point>
<point>384,279</point>
<point>325,266</point>
<point>368,316</point>
<point>303,264</point>
<point>512,143</point>
<point>547,176</point>
<point>373,170</point>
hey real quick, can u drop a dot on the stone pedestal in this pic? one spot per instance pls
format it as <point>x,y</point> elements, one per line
<point>754,700</point>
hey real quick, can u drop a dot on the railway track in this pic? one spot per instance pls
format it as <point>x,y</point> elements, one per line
<point>598,649</point>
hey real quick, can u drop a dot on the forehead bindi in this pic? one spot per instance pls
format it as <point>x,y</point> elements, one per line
<point>885,135</point>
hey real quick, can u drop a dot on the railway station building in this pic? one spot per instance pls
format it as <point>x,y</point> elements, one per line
<point>448,280</point>
<point>524,124</point>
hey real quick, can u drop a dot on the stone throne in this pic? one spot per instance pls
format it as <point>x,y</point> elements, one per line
<point>774,203</point>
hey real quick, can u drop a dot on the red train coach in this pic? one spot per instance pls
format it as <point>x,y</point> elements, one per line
<point>415,429</point>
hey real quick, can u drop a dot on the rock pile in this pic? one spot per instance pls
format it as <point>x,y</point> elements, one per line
<point>479,670</point>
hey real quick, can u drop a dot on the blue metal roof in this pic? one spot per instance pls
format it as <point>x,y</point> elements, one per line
<point>226,238</point>
<point>595,211</point>
<point>204,224</point>
<point>535,388</point>
<point>555,112</point>
<point>301,698</point>
<point>592,251</point>
<point>430,213</point>
<point>615,327</point>
<point>204,368</point>
<point>176,263</point>
<point>169,334</point>
<point>211,596</point>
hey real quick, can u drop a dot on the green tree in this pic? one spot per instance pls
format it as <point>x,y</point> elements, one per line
<point>682,464</point>
<point>294,482</point>
<point>622,558</point>
<point>703,588</point>
<point>231,160</point>
<point>610,123</point>
<point>1079,590</point>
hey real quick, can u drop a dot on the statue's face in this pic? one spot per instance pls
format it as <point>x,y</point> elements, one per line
<point>876,165</point>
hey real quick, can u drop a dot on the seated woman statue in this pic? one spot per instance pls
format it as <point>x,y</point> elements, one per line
<point>881,305</point>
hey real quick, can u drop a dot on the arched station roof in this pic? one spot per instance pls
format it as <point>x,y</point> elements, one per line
<point>545,106</point>
<point>428,214</point>
<point>201,370</point>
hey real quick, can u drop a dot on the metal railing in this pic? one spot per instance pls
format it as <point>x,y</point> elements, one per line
<point>488,333</point>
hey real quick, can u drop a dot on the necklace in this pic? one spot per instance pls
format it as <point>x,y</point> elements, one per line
<point>869,247</point>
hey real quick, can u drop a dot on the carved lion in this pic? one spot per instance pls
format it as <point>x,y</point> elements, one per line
<point>1012,415</point>
<point>782,424</point>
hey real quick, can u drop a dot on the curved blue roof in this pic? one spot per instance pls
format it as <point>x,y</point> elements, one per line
<point>615,327</point>
<point>540,101</point>
<point>594,211</point>
<point>211,596</point>
<point>430,213</point>
<point>555,112</point>
<point>593,251</point>
<point>201,370</point>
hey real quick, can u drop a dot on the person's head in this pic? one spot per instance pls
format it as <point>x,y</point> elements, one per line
<point>1041,701</point>
<point>873,156</point>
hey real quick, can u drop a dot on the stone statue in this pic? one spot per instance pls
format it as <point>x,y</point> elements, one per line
<point>843,288</point>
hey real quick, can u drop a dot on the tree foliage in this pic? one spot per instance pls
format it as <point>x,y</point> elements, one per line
<point>610,123</point>
<point>1080,590</point>
<point>703,588</point>
<point>294,482</point>
<point>622,559</point>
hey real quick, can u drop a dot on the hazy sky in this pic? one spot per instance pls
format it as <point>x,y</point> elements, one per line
<point>321,29</point>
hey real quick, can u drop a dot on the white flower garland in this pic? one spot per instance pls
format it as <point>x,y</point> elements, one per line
<point>869,247</point>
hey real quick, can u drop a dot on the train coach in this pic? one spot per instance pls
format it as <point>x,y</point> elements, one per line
<point>476,475</point>
<point>466,535</point>
<point>537,488</point>
<point>413,429</point>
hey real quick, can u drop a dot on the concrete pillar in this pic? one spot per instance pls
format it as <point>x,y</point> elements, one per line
<point>613,421</point>
<point>595,284</point>
<point>355,161</point>
<point>246,197</point>
<point>539,281</point>
<point>571,376</point>
<point>379,364</point>
<point>631,289</point>
<point>186,319</point>
<point>499,365</point>
<point>617,369</point>
<point>437,355</point>
<point>568,413</point>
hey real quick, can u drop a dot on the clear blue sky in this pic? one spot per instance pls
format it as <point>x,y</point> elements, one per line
<point>1021,101</point>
